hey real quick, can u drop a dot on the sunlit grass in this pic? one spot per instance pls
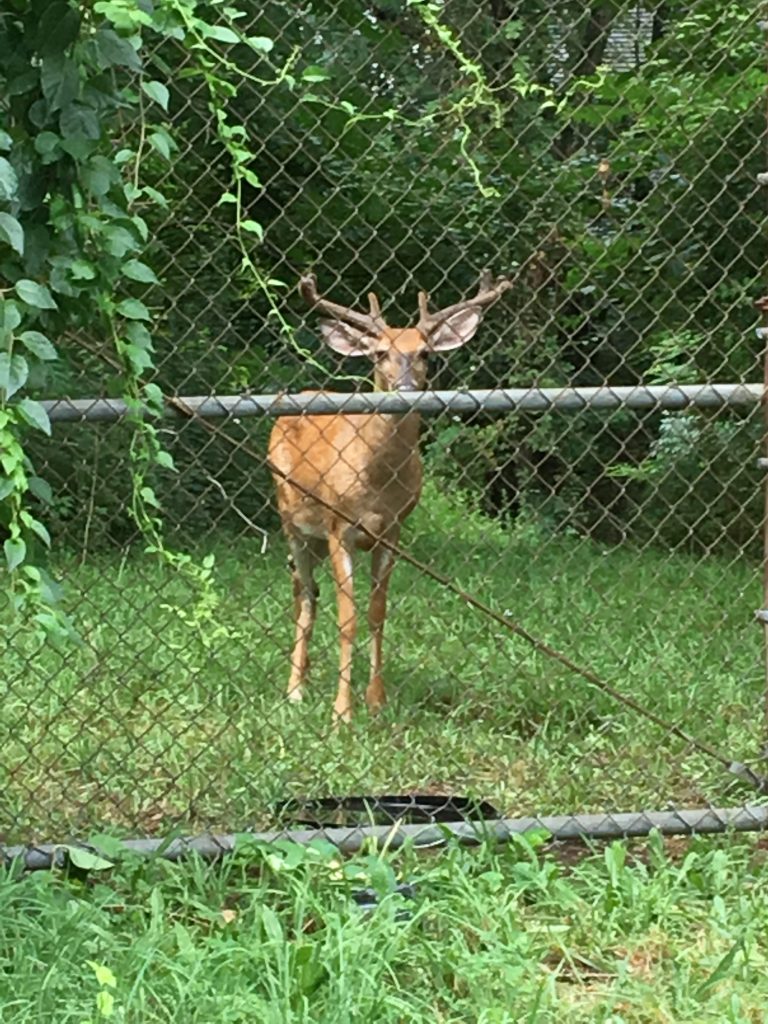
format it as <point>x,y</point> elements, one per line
<point>173,710</point>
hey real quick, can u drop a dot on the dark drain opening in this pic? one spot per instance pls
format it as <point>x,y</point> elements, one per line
<point>354,811</point>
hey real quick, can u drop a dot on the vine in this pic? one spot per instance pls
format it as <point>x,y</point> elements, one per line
<point>480,95</point>
<point>81,121</point>
<point>73,236</point>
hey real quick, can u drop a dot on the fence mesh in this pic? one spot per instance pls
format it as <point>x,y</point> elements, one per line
<point>604,156</point>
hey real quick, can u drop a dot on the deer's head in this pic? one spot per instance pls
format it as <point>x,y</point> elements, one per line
<point>399,355</point>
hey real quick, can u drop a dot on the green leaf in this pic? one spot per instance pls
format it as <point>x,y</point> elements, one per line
<point>60,81</point>
<point>14,371</point>
<point>127,16</point>
<point>137,332</point>
<point>153,396</point>
<point>165,459</point>
<point>40,531</point>
<point>105,1003</point>
<point>220,33</point>
<point>138,271</point>
<point>155,196</point>
<point>133,309</point>
<point>10,315</point>
<point>46,143</point>
<point>261,44</point>
<point>254,228</point>
<point>97,175</point>
<point>23,83</point>
<point>251,178</point>
<point>82,270</point>
<point>272,926</point>
<point>15,552</point>
<point>721,971</point>
<point>87,860</point>
<point>161,142</point>
<point>78,147</point>
<point>35,415</point>
<point>9,183</point>
<point>10,461</point>
<point>314,73</point>
<point>110,846</point>
<point>5,141</point>
<point>61,282</point>
<point>119,240</point>
<point>58,28</point>
<point>141,226</point>
<point>38,345</point>
<point>7,487</point>
<point>51,591</point>
<point>139,357</point>
<point>12,232</point>
<point>104,976</point>
<point>79,121</point>
<point>41,489</point>
<point>157,92</point>
<point>113,50</point>
<point>148,495</point>
<point>34,294</point>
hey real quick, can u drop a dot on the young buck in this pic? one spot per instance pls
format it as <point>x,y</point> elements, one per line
<point>365,469</point>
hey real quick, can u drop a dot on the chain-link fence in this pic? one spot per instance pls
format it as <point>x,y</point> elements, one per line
<point>570,625</point>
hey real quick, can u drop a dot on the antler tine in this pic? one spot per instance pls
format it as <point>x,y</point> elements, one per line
<point>308,289</point>
<point>488,291</point>
<point>372,321</point>
<point>375,305</point>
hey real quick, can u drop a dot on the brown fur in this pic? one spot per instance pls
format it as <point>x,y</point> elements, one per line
<point>357,470</point>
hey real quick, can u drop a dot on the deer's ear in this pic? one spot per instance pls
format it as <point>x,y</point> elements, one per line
<point>456,331</point>
<point>347,340</point>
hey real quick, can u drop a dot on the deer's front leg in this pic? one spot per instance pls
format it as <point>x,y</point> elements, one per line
<point>305,610</point>
<point>341,564</point>
<point>382,564</point>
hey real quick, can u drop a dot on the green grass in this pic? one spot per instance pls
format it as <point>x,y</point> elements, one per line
<point>492,937</point>
<point>172,714</point>
<point>154,722</point>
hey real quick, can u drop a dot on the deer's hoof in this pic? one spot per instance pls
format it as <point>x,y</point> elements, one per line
<point>375,697</point>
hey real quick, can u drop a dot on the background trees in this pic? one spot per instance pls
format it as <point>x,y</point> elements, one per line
<point>607,148</point>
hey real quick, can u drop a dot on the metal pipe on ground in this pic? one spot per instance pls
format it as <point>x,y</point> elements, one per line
<point>625,825</point>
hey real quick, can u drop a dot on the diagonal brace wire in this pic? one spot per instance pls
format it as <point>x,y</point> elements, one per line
<point>737,768</point>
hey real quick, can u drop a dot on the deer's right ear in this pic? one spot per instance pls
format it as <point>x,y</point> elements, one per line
<point>347,340</point>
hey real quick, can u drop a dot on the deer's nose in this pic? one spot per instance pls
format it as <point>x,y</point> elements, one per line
<point>405,378</point>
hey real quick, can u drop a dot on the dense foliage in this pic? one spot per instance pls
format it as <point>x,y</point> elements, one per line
<point>608,149</point>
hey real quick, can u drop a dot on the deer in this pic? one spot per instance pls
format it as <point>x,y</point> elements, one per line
<point>347,481</point>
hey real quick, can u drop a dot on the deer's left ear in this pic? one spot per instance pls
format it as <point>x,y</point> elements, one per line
<point>456,331</point>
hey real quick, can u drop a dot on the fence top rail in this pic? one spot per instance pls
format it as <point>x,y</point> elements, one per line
<point>430,403</point>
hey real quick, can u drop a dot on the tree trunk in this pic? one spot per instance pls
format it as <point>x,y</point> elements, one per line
<point>586,48</point>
